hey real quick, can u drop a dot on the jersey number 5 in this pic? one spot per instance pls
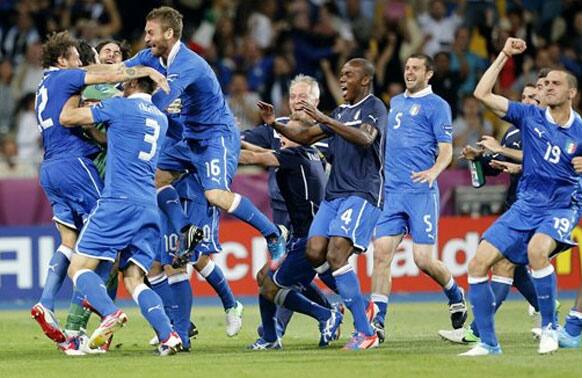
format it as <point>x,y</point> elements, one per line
<point>397,119</point>
<point>152,139</point>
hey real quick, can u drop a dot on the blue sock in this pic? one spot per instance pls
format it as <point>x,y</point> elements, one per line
<point>169,202</point>
<point>349,289</point>
<point>326,276</point>
<point>93,287</point>
<point>524,284</point>
<point>182,292</point>
<point>381,301</point>
<point>247,212</point>
<point>162,288</point>
<point>297,302</point>
<point>453,292</point>
<point>152,309</point>
<point>483,303</point>
<point>214,276</point>
<point>574,323</point>
<point>283,317</point>
<point>547,291</point>
<point>314,293</point>
<point>57,272</point>
<point>268,310</point>
<point>500,287</point>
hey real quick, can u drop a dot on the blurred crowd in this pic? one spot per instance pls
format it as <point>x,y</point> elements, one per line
<point>257,46</point>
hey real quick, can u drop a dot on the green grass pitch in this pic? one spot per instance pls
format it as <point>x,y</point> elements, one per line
<point>413,349</point>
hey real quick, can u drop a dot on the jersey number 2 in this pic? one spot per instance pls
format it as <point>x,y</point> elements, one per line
<point>42,96</point>
<point>152,139</point>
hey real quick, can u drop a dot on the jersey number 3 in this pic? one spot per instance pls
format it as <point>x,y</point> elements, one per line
<point>151,139</point>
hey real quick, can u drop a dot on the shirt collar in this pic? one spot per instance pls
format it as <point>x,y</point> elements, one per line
<point>356,104</point>
<point>171,55</point>
<point>142,96</point>
<point>421,93</point>
<point>570,119</point>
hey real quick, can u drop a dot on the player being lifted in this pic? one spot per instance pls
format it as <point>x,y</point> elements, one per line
<point>540,222</point>
<point>418,148</point>
<point>126,217</point>
<point>211,140</point>
<point>354,195</point>
<point>67,175</point>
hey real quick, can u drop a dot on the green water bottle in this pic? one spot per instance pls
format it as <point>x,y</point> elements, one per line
<point>477,175</point>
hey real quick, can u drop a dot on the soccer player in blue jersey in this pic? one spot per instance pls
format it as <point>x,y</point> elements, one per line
<point>540,222</point>
<point>211,141</point>
<point>305,88</point>
<point>354,195</point>
<point>67,175</point>
<point>126,218</point>
<point>418,148</point>
<point>505,156</point>
<point>301,180</point>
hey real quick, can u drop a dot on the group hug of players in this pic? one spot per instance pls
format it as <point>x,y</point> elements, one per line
<point>172,148</point>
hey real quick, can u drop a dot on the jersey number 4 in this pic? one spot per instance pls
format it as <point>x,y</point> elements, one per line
<point>151,139</point>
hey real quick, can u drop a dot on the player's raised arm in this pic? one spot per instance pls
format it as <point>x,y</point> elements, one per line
<point>362,136</point>
<point>73,114</point>
<point>484,90</point>
<point>297,130</point>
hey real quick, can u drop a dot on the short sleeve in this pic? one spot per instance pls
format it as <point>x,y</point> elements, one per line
<point>106,110</point>
<point>442,123</point>
<point>517,113</point>
<point>374,113</point>
<point>73,80</point>
<point>261,136</point>
<point>138,59</point>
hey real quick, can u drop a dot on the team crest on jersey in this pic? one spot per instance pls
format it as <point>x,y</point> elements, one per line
<point>357,116</point>
<point>414,110</point>
<point>570,147</point>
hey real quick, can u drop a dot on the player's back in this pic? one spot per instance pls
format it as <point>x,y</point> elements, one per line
<point>301,180</point>
<point>548,178</point>
<point>358,170</point>
<point>136,129</point>
<point>205,112</point>
<point>416,125</point>
<point>54,90</point>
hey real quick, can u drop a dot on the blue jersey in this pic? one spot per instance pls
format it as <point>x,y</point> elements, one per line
<point>205,113</point>
<point>357,170</point>
<point>136,130</point>
<point>416,125</point>
<point>301,180</point>
<point>548,180</point>
<point>53,92</point>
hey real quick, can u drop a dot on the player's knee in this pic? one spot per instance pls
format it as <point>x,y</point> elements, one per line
<point>477,268</point>
<point>315,253</point>
<point>262,273</point>
<point>423,260</point>
<point>163,178</point>
<point>503,268</point>
<point>203,260</point>
<point>382,255</point>
<point>132,282</point>
<point>219,198</point>
<point>268,289</point>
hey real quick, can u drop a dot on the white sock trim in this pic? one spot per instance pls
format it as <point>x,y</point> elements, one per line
<point>141,287</point>
<point>503,280</point>
<point>177,278</point>
<point>544,272</point>
<point>281,296</point>
<point>208,269</point>
<point>78,274</point>
<point>450,284</point>
<point>322,268</point>
<point>344,269</point>
<point>575,314</point>
<point>163,188</point>
<point>381,298</point>
<point>157,279</point>
<point>477,280</point>
<point>235,203</point>
<point>68,252</point>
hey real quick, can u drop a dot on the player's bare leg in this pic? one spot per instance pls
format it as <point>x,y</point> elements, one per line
<point>424,257</point>
<point>384,249</point>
